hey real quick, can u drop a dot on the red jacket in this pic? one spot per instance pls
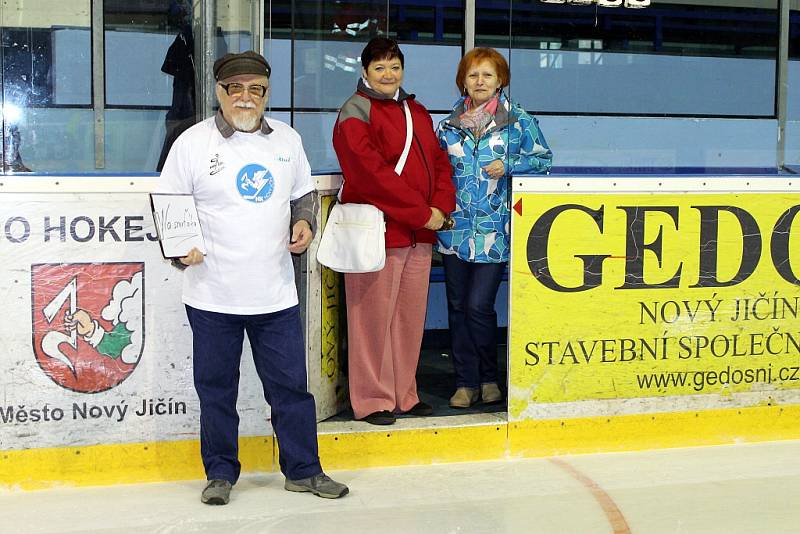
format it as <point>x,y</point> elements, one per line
<point>369,137</point>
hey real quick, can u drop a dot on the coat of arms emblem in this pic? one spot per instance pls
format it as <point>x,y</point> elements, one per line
<point>88,322</point>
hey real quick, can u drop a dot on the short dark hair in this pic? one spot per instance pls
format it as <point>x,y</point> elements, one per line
<point>381,48</point>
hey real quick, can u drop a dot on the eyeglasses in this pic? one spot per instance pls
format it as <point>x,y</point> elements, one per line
<point>236,89</point>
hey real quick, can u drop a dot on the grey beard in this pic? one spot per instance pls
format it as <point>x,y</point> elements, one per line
<point>246,123</point>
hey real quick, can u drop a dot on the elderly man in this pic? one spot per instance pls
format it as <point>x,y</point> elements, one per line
<point>252,185</point>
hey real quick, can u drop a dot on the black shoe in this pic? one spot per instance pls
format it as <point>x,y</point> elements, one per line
<point>421,409</point>
<point>383,417</point>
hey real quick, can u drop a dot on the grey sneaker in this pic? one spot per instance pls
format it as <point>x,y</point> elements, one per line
<point>320,485</point>
<point>216,492</point>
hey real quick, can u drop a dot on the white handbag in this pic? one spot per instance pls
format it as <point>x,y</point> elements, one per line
<point>353,240</point>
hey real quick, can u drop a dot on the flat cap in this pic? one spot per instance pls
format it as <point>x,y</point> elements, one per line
<point>244,63</point>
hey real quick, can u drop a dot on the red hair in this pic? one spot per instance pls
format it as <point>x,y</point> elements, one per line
<point>478,55</point>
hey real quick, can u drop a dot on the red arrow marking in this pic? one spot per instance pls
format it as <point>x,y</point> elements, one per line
<point>518,207</point>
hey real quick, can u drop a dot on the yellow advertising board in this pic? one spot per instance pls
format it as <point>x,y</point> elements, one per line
<point>332,303</point>
<point>625,296</point>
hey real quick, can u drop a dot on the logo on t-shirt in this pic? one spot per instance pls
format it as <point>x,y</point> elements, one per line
<point>255,183</point>
<point>216,165</point>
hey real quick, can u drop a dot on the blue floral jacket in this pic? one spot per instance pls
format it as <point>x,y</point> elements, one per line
<point>482,219</point>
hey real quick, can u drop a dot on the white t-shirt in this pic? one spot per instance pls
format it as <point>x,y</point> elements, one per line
<point>242,186</point>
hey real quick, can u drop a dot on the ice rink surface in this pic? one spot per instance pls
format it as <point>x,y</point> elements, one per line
<point>749,488</point>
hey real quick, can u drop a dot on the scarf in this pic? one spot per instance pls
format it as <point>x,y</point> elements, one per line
<point>477,119</point>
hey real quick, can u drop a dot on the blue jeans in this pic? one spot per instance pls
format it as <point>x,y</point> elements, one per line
<point>278,352</point>
<point>471,292</point>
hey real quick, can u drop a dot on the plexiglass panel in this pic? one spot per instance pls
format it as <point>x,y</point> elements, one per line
<point>46,58</point>
<point>72,67</point>
<point>435,92</point>
<point>134,139</point>
<point>150,80</point>
<point>316,130</point>
<point>567,81</point>
<point>279,55</point>
<point>698,58</point>
<point>432,21</point>
<point>152,55</point>
<point>647,142</point>
<point>571,65</point>
<point>574,66</point>
<point>329,42</point>
<point>151,70</point>
<point>52,140</point>
<point>283,116</point>
<point>792,150</point>
<point>325,72</point>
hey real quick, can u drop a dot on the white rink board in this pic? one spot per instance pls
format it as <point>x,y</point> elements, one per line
<point>70,250</point>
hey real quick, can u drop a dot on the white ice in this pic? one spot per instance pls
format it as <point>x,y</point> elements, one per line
<point>751,488</point>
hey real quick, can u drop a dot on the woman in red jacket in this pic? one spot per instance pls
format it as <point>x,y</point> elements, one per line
<point>386,309</point>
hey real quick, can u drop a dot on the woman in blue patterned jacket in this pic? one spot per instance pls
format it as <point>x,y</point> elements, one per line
<point>488,139</point>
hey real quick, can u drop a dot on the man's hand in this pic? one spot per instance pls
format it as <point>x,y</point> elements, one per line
<point>80,321</point>
<point>301,237</point>
<point>193,258</point>
<point>495,169</point>
<point>436,220</point>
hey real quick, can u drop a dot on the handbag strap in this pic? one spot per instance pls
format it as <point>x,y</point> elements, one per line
<point>398,169</point>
